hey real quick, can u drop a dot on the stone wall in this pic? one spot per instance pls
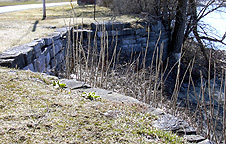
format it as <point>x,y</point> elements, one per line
<point>41,55</point>
<point>49,54</point>
<point>133,38</point>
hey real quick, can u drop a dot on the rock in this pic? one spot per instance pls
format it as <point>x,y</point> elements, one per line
<point>112,113</point>
<point>37,46</point>
<point>155,111</point>
<point>55,36</point>
<point>48,40</point>
<point>29,67</point>
<point>39,64</point>
<point>73,84</point>
<point>171,123</point>
<point>194,138</point>
<point>109,26</point>
<point>16,62</point>
<point>206,142</point>
<point>109,95</point>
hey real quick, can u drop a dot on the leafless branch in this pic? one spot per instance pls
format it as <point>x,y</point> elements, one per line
<point>212,39</point>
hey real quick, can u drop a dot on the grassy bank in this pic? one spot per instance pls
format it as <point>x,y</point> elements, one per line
<point>33,111</point>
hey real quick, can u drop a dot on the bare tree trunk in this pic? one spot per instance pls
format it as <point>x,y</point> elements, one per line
<point>194,27</point>
<point>44,9</point>
<point>178,33</point>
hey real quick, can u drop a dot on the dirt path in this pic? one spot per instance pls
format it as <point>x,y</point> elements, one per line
<point>7,9</point>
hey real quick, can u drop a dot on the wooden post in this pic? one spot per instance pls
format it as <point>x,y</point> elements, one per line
<point>44,9</point>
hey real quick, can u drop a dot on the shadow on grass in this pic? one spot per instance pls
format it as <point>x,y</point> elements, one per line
<point>35,25</point>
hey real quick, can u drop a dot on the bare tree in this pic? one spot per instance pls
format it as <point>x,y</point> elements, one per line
<point>178,31</point>
<point>44,9</point>
<point>193,25</point>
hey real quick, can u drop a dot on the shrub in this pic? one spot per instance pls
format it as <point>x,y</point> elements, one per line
<point>129,6</point>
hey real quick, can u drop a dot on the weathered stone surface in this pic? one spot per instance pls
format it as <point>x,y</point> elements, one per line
<point>29,67</point>
<point>39,64</point>
<point>155,111</point>
<point>171,123</point>
<point>48,59</point>
<point>85,33</point>
<point>55,35</point>
<point>73,84</point>
<point>6,62</point>
<point>48,40</point>
<point>128,41</point>
<point>142,40</point>
<point>64,31</point>
<point>56,48</point>
<point>112,95</point>
<point>140,32</point>
<point>194,138</point>
<point>126,31</point>
<point>17,56</point>
<point>14,62</point>
<point>135,48</point>
<point>206,142</point>
<point>45,50</point>
<point>109,26</point>
<point>37,46</point>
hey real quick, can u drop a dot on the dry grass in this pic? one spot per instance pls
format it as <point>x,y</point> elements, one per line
<point>20,2</point>
<point>17,28</point>
<point>33,111</point>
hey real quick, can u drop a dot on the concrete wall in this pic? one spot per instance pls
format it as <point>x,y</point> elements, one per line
<point>49,54</point>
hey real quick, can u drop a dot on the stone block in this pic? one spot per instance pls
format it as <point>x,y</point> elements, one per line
<point>37,46</point>
<point>135,48</point>
<point>55,36</point>
<point>63,31</point>
<point>56,60</point>
<point>6,62</point>
<point>45,51</point>
<point>53,63</point>
<point>29,67</point>
<point>142,40</point>
<point>48,58</point>
<point>206,142</point>
<point>150,45</point>
<point>194,138</point>
<point>85,33</point>
<point>128,41</point>
<point>110,25</point>
<point>151,34</point>
<point>48,40</point>
<point>108,34</point>
<point>48,70</point>
<point>57,46</point>
<point>39,64</point>
<point>124,47</point>
<point>126,31</point>
<point>29,57</point>
<point>12,53</point>
<point>12,60</point>
<point>141,32</point>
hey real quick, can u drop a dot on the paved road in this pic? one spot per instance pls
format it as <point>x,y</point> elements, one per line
<point>7,9</point>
